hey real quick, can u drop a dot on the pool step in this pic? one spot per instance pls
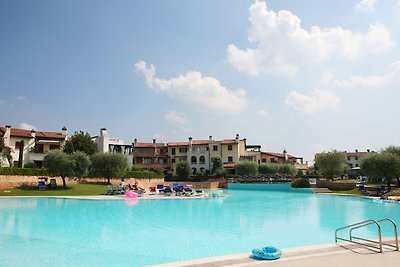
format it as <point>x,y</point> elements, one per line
<point>321,190</point>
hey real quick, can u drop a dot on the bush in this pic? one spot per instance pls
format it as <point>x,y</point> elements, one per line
<point>182,169</point>
<point>300,183</point>
<point>246,168</point>
<point>24,171</point>
<point>31,165</point>
<point>268,169</point>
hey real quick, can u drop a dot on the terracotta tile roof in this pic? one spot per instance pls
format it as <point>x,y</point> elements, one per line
<point>200,142</point>
<point>229,165</point>
<point>178,144</point>
<point>228,141</point>
<point>39,134</point>
<point>278,155</point>
<point>149,145</point>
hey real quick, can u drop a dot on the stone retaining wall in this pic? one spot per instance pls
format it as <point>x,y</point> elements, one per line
<point>12,181</point>
<point>335,186</point>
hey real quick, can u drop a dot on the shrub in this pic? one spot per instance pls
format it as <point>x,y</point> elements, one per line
<point>266,169</point>
<point>30,165</point>
<point>300,183</point>
<point>23,171</point>
<point>183,169</point>
<point>246,168</point>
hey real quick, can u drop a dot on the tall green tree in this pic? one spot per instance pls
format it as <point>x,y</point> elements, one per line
<point>287,169</point>
<point>216,164</point>
<point>109,166</point>
<point>246,168</point>
<point>381,165</point>
<point>81,163</point>
<point>268,169</point>
<point>80,141</point>
<point>59,163</point>
<point>331,164</point>
<point>183,169</point>
<point>394,150</point>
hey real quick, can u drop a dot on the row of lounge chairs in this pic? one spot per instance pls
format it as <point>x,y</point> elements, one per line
<point>175,188</point>
<point>260,179</point>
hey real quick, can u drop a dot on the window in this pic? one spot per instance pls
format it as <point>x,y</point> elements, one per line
<point>173,152</point>
<point>193,160</point>
<point>207,148</point>
<point>172,160</point>
<point>356,158</point>
<point>215,148</point>
<point>351,165</point>
<point>264,160</point>
<point>145,150</point>
<point>196,149</point>
<point>357,165</point>
<point>17,144</point>
<point>273,160</point>
<point>183,150</point>
<point>39,148</point>
<point>230,159</point>
<point>202,160</point>
<point>162,161</point>
<point>146,160</point>
<point>229,147</point>
<point>52,147</point>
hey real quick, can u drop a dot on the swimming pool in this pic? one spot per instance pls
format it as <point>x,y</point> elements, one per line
<point>69,232</point>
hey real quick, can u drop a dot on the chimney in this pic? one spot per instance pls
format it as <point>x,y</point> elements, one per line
<point>64,130</point>
<point>134,142</point>
<point>285,155</point>
<point>245,141</point>
<point>368,150</point>
<point>237,138</point>
<point>7,136</point>
<point>33,133</point>
<point>210,138</point>
<point>154,141</point>
<point>356,150</point>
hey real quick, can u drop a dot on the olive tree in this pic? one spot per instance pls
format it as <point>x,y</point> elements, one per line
<point>287,169</point>
<point>331,164</point>
<point>246,168</point>
<point>81,163</point>
<point>381,165</point>
<point>268,169</point>
<point>109,165</point>
<point>395,151</point>
<point>216,164</point>
<point>59,164</point>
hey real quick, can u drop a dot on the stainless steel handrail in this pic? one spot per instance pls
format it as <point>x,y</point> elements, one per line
<point>396,239</point>
<point>366,223</point>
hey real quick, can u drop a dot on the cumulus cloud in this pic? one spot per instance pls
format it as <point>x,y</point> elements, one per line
<point>317,101</point>
<point>195,90</point>
<point>282,45</point>
<point>262,113</point>
<point>365,5</point>
<point>366,81</point>
<point>21,98</point>
<point>26,126</point>
<point>176,117</point>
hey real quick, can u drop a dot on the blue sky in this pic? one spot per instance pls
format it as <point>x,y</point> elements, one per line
<point>304,76</point>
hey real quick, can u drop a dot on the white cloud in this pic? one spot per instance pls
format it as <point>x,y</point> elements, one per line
<point>21,98</point>
<point>283,45</point>
<point>262,113</point>
<point>26,126</point>
<point>192,89</point>
<point>365,5</point>
<point>176,117</point>
<point>318,100</point>
<point>367,81</point>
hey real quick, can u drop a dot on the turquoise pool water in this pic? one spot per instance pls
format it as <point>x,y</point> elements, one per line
<point>67,232</point>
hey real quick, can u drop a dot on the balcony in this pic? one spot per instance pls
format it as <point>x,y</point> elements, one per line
<point>36,156</point>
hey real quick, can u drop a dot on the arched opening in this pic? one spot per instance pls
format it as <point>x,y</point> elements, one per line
<point>193,160</point>
<point>194,171</point>
<point>202,160</point>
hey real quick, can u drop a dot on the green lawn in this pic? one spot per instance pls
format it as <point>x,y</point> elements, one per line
<point>354,191</point>
<point>70,190</point>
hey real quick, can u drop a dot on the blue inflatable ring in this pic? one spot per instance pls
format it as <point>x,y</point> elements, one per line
<point>267,253</point>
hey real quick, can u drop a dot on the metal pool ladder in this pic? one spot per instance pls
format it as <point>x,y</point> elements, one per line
<point>374,244</point>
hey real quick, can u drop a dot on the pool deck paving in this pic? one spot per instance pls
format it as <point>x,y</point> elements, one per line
<point>345,254</point>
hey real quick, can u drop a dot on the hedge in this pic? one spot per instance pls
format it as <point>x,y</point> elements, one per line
<point>300,183</point>
<point>24,171</point>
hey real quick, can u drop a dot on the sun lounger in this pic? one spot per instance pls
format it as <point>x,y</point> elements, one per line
<point>109,190</point>
<point>178,190</point>
<point>160,188</point>
<point>42,185</point>
<point>167,190</point>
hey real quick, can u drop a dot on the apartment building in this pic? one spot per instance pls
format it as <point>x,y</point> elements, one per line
<point>151,155</point>
<point>353,159</point>
<point>33,144</point>
<point>105,144</point>
<point>284,158</point>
